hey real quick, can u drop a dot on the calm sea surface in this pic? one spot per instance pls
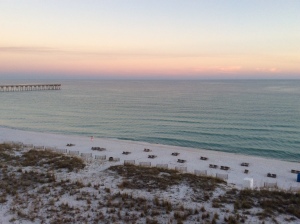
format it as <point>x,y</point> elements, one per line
<point>248,117</point>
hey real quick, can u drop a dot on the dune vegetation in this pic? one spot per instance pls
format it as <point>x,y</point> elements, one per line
<point>48,187</point>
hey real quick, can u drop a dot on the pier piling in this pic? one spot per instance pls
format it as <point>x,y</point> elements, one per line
<point>29,87</point>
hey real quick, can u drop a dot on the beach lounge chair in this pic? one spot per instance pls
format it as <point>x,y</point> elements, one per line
<point>70,144</point>
<point>213,166</point>
<point>175,153</point>
<point>246,171</point>
<point>271,175</point>
<point>224,168</point>
<point>147,150</point>
<point>203,158</point>
<point>152,156</point>
<point>244,164</point>
<point>295,171</point>
<point>98,148</point>
<point>126,153</point>
<point>181,161</point>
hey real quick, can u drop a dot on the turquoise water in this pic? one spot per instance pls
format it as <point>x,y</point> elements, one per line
<point>248,117</point>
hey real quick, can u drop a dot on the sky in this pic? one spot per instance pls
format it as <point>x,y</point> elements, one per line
<point>153,39</point>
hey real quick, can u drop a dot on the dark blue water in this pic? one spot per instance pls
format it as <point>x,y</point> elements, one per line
<point>247,117</point>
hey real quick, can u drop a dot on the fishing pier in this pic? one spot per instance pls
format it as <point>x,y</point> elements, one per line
<point>29,87</point>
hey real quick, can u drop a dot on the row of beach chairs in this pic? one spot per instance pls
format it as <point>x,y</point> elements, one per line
<point>246,171</point>
<point>221,167</point>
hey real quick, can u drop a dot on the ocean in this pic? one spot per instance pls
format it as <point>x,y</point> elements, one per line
<point>253,117</point>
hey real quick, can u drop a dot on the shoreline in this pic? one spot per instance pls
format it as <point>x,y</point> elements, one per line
<point>258,166</point>
<point>147,143</point>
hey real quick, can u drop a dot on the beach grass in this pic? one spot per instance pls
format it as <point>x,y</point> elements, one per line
<point>50,159</point>
<point>150,178</point>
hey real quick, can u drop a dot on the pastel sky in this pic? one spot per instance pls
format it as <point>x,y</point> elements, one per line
<point>181,39</point>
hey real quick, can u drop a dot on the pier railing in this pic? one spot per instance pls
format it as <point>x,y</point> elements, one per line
<point>29,87</point>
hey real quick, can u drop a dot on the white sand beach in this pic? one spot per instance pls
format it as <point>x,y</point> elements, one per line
<point>258,167</point>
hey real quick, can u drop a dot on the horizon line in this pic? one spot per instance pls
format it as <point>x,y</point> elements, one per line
<point>153,79</point>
